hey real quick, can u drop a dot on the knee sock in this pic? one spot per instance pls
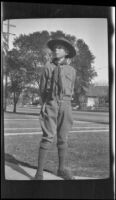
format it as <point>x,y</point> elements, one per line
<point>41,160</point>
<point>62,156</point>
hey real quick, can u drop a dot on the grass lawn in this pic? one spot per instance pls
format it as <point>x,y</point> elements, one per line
<point>88,153</point>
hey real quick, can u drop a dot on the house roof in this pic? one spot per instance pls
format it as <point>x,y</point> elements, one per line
<point>97,91</point>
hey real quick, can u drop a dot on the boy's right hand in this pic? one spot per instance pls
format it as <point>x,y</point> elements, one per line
<point>43,108</point>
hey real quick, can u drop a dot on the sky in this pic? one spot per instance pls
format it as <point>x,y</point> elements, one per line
<point>92,30</point>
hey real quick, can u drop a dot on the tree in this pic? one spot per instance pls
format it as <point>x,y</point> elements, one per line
<point>83,63</point>
<point>4,63</point>
<point>33,53</point>
<point>17,75</point>
<point>25,62</point>
<point>33,44</point>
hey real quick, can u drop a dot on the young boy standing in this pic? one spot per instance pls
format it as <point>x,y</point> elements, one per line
<point>56,89</point>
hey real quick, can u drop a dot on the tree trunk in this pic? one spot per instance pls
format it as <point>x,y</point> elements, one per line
<point>15,102</point>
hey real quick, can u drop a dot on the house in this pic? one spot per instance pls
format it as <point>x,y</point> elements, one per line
<point>96,95</point>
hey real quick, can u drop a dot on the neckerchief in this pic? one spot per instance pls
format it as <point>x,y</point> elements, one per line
<point>57,88</point>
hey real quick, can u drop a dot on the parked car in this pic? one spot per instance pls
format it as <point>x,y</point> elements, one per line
<point>35,102</point>
<point>76,107</point>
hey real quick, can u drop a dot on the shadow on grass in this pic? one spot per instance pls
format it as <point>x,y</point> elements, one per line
<point>14,164</point>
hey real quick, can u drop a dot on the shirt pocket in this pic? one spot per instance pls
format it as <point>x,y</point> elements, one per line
<point>68,77</point>
<point>68,84</point>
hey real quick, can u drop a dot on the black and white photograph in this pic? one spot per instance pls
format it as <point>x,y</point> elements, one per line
<point>56,102</point>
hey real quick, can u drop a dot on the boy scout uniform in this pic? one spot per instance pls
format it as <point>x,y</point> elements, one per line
<point>56,88</point>
<point>56,113</point>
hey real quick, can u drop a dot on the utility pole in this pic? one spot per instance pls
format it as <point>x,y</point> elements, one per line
<point>8,34</point>
<point>8,31</point>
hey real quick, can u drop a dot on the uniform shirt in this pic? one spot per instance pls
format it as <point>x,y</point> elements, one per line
<point>68,76</point>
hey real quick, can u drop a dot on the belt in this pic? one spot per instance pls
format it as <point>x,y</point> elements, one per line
<point>67,98</point>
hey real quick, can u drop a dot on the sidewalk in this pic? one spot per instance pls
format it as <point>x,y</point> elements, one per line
<point>19,172</point>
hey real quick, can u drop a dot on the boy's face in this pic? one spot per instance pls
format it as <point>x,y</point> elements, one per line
<point>60,52</point>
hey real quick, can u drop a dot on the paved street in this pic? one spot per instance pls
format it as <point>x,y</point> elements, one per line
<point>27,124</point>
<point>101,117</point>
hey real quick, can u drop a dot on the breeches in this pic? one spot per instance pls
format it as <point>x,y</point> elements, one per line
<point>56,118</point>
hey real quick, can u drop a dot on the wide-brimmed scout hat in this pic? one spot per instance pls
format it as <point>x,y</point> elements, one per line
<point>52,43</point>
